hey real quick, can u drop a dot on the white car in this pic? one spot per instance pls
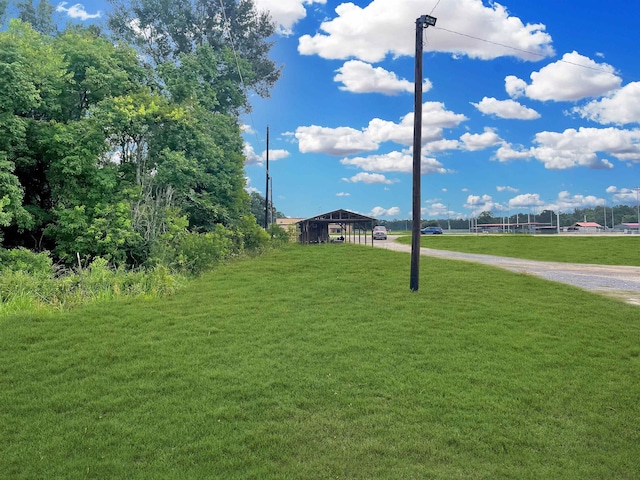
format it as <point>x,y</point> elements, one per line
<point>379,233</point>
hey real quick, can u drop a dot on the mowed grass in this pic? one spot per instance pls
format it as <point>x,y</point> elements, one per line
<point>600,250</point>
<point>318,362</point>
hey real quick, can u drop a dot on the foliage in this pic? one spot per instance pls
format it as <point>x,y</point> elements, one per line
<point>193,37</point>
<point>250,236</point>
<point>39,16</point>
<point>193,253</point>
<point>26,261</point>
<point>29,283</point>
<point>279,235</point>
<point>257,208</point>
<point>100,150</point>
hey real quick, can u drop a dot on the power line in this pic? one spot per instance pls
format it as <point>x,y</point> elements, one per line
<point>227,26</point>
<point>436,6</point>
<point>529,52</point>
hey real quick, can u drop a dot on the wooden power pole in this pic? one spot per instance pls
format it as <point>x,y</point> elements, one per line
<point>421,23</point>
<point>266,196</point>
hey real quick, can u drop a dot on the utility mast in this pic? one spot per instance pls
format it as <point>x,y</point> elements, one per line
<point>422,23</point>
<point>266,195</point>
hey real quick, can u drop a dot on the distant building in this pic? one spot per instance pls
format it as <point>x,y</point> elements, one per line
<point>631,227</point>
<point>286,222</point>
<point>585,227</point>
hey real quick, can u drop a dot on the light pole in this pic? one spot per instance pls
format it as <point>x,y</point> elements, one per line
<point>422,23</point>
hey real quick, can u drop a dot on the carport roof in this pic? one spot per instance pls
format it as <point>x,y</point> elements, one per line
<point>339,216</point>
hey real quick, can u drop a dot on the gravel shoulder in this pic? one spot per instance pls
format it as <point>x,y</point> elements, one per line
<point>615,281</point>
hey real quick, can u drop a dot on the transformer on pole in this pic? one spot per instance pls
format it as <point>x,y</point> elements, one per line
<point>422,22</point>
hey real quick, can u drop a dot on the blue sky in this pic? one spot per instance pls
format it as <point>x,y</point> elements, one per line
<point>526,106</point>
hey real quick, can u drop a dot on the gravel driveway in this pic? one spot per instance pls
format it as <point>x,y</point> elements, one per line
<point>616,281</point>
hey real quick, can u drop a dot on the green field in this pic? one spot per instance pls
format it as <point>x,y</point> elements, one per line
<point>318,362</point>
<point>601,250</point>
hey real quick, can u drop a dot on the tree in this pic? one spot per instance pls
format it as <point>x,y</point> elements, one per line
<point>168,30</point>
<point>39,16</point>
<point>257,208</point>
<point>485,217</point>
<point>99,69</point>
<point>3,9</point>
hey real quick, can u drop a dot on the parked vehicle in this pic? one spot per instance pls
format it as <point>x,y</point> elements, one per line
<point>379,233</point>
<point>431,231</point>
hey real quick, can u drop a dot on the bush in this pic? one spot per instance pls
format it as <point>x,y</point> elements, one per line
<point>279,236</point>
<point>193,253</point>
<point>29,283</point>
<point>253,238</point>
<point>23,260</point>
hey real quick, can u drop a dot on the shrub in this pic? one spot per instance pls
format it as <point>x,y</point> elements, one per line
<point>253,237</point>
<point>279,236</point>
<point>24,260</point>
<point>193,253</point>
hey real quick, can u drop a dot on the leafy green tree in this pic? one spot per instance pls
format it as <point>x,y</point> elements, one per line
<point>485,217</point>
<point>257,208</point>
<point>102,155</point>
<point>3,10</point>
<point>99,69</point>
<point>39,16</point>
<point>11,196</point>
<point>168,30</point>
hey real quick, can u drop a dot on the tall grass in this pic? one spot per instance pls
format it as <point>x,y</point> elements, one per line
<point>22,291</point>
<point>318,362</point>
<point>30,282</point>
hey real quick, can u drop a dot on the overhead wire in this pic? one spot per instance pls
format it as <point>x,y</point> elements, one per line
<point>227,27</point>
<point>529,52</point>
<point>434,7</point>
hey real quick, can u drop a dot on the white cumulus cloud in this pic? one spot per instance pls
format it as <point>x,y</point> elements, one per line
<point>482,203</point>
<point>622,195</point>
<point>480,141</point>
<point>570,79</point>
<point>384,27</point>
<point>378,212</point>
<point>252,158</point>
<point>369,178</point>
<point>394,162</point>
<point>77,11</point>
<point>508,152</point>
<point>506,188</point>
<point>349,141</point>
<point>509,109</point>
<point>286,13</point>
<point>361,77</point>
<point>526,200</point>
<point>567,202</point>
<point>582,147</point>
<point>620,107</point>
<point>333,141</point>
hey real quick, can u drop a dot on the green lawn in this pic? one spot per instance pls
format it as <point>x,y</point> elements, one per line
<point>601,250</point>
<point>318,362</point>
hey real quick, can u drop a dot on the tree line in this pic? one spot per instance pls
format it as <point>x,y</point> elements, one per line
<point>121,141</point>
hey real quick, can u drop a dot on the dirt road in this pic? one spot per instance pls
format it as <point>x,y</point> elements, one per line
<point>615,281</point>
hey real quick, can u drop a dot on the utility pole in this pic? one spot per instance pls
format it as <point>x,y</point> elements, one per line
<point>271,210</point>
<point>637,190</point>
<point>422,23</point>
<point>266,196</point>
